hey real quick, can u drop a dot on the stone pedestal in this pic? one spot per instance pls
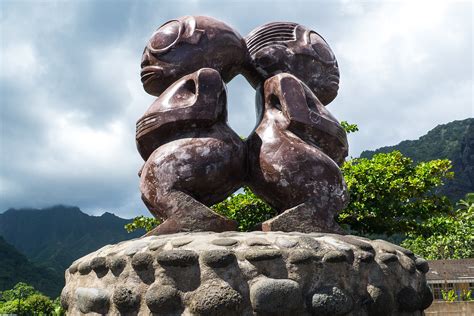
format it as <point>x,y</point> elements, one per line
<point>255,273</point>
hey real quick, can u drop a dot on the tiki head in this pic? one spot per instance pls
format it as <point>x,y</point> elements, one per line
<point>187,44</point>
<point>284,47</point>
<point>193,102</point>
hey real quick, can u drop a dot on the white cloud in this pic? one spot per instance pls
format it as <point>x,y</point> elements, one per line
<point>401,64</point>
<point>20,63</point>
<point>80,151</point>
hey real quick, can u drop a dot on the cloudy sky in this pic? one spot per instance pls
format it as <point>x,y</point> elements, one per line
<point>70,90</point>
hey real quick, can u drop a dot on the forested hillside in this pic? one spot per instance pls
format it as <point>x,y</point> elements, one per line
<point>15,267</point>
<point>54,237</point>
<point>454,141</point>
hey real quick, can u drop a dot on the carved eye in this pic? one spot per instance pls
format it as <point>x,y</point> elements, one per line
<point>265,61</point>
<point>321,48</point>
<point>165,36</point>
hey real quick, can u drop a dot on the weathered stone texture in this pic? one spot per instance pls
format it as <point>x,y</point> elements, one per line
<point>256,273</point>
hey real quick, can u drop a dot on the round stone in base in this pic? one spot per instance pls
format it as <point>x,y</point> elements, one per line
<point>256,273</point>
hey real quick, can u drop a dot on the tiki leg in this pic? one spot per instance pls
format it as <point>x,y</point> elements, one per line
<point>182,213</point>
<point>307,217</point>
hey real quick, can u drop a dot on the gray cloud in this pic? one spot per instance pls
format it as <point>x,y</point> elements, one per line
<point>70,90</point>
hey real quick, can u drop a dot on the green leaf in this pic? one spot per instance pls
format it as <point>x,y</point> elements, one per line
<point>245,208</point>
<point>390,194</point>
<point>349,128</point>
<point>142,222</point>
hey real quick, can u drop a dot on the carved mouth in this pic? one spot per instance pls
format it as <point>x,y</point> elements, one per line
<point>333,82</point>
<point>333,78</point>
<point>149,73</point>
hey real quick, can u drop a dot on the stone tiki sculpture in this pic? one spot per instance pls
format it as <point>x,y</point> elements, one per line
<point>295,150</point>
<point>193,159</point>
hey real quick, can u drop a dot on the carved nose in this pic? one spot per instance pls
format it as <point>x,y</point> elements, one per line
<point>145,59</point>
<point>145,63</point>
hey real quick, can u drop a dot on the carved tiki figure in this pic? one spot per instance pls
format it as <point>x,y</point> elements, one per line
<point>193,158</point>
<point>198,160</point>
<point>295,150</point>
<point>182,46</point>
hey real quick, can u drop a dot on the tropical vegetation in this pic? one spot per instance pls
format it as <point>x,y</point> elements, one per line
<point>24,299</point>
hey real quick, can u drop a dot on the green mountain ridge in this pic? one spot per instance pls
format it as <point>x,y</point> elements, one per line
<point>15,267</point>
<point>453,141</point>
<point>52,238</point>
